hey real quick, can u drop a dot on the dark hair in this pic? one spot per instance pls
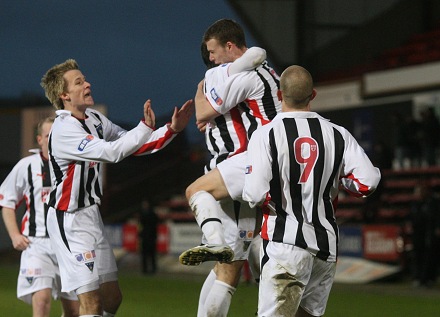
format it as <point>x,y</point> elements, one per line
<point>205,56</point>
<point>226,30</point>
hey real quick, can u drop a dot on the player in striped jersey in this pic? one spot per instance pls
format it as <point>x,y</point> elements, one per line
<point>81,140</point>
<point>29,184</point>
<point>295,166</point>
<point>238,219</point>
<point>255,93</point>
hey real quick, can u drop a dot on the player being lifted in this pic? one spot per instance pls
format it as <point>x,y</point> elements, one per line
<point>256,94</point>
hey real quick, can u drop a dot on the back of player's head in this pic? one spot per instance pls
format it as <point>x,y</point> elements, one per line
<point>296,85</point>
<point>205,56</point>
<point>226,30</point>
<point>53,82</point>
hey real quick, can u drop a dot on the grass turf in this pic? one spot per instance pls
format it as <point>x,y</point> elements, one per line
<point>177,295</point>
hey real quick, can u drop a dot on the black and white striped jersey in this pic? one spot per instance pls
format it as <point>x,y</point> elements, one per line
<point>246,100</point>
<point>29,183</point>
<point>255,93</point>
<point>225,135</point>
<point>77,149</point>
<point>299,160</point>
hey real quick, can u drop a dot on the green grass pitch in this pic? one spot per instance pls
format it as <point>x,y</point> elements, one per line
<point>177,295</point>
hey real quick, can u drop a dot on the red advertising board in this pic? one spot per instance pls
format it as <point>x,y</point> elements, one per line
<point>163,238</point>
<point>130,237</point>
<point>381,242</point>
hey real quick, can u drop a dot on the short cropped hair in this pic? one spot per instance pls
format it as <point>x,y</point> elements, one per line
<point>296,85</point>
<point>226,30</point>
<point>42,122</point>
<point>54,84</point>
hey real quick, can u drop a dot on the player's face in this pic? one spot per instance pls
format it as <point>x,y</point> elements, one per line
<point>218,54</point>
<point>78,93</point>
<point>43,139</point>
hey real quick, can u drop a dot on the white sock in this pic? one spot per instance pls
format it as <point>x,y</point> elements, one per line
<point>105,314</point>
<point>206,211</point>
<point>204,292</point>
<point>219,299</point>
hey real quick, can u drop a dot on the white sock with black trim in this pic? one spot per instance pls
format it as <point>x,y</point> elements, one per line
<point>206,210</point>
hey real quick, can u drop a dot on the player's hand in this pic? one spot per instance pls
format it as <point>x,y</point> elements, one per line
<point>201,125</point>
<point>20,242</point>
<point>182,116</point>
<point>149,116</point>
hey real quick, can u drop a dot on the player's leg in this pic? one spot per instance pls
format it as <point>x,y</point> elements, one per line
<point>70,307</point>
<point>219,299</point>
<point>204,292</point>
<point>317,289</point>
<point>203,195</point>
<point>89,303</point>
<point>111,297</point>
<point>41,301</point>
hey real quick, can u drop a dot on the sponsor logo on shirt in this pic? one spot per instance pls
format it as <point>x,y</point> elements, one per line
<point>248,169</point>
<point>84,142</point>
<point>216,98</point>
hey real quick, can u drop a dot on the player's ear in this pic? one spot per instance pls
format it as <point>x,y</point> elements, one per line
<point>314,93</point>
<point>279,95</point>
<point>65,96</point>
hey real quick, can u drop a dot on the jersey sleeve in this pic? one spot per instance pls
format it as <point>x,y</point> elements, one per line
<point>71,142</point>
<point>253,57</point>
<point>258,168</point>
<point>358,176</point>
<point>235,89</point>
<point>13,187</point>
<point>159,139</point>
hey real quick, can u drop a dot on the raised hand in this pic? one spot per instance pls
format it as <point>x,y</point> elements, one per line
<point>149,116</point>
<point>182,116</point>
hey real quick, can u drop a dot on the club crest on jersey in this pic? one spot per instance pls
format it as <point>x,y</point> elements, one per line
<point>84,142</point>
<point>216,97</point>
<point>248,169</point>
<point>30,279</point>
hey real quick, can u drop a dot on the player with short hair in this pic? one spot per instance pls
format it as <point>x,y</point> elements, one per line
<point>295,166</point>
<point>81,140</point>
<point>255,94</point>
<point>238,219</point>
<point>29,184</point>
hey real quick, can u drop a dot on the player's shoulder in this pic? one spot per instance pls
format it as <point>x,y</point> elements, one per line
<point>29,159</point>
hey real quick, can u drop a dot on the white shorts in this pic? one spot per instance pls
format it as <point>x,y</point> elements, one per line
<point>83,251</point>
<point>39,270</point>
<point>292,272</point>
<point>233,171</point>
<point>238,220</point>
